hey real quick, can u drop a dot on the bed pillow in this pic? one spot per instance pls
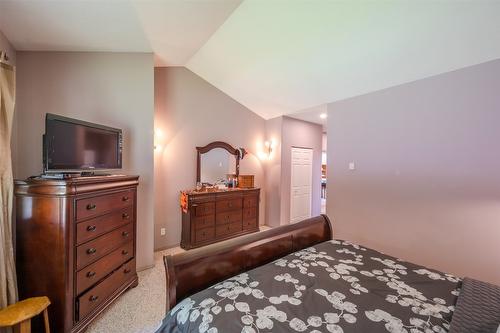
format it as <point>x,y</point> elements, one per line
<point>477,309</point>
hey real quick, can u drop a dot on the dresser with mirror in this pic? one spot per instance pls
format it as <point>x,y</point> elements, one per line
<point>218,208</point>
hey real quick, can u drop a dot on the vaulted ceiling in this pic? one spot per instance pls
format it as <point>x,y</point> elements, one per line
<point>173,29</point>
<point>275,57</point>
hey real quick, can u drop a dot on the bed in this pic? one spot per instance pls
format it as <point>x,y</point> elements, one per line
<point>298,279</point>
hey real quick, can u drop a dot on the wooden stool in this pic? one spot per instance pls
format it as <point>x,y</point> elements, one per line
<point>21,313</point>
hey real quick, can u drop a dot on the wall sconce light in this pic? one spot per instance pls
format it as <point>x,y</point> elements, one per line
<point>158,140</point>
<point>269,147</point>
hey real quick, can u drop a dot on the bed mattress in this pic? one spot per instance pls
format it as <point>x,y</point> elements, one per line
<point>335,286</point>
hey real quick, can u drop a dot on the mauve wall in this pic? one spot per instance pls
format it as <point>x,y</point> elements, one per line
<point>190,112</point>
<point>114,89</point>
<point>273,172</point>
<point>427,182</point>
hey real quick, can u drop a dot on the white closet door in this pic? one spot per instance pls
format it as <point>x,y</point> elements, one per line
<point>301,184</point>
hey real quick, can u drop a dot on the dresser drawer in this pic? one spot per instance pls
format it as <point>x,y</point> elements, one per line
<point>228,205</point>
<point>203,209</point>
<point>101,204</point>
<point>204,221</point>
<point>90,252</point>
<point>102,267</point>
<point>204,235</point>
<point>228,217</point>
<point>227,229</point>
<point>250,201</point>
<point>250,224</point>
<point>97,295</point>
<point>249,213</point>
<point>97,226</point>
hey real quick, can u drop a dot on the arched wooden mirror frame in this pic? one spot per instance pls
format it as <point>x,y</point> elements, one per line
<point>239,153</point>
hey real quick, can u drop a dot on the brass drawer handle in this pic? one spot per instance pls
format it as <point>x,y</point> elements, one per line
<point>125,234</point>
<point>125,199</point>
<point>93,298</point>
<point>125,216</point>
<point>90,274</point>
<point>91,207</point>
<point>124,252</point>
<point>91,250</point>
<point>127,270</point>
<point>91,228</point>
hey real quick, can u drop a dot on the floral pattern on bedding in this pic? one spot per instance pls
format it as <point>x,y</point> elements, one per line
<point>335,286</point>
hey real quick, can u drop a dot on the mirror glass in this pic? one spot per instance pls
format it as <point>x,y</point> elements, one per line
<point>215,165</point>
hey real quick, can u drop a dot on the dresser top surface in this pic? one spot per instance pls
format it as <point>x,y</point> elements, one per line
<point>217,191</point>
<point>74,181</point>
<point>38,185</point>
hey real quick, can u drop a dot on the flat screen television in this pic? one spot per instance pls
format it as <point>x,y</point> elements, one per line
<point>72,145</point>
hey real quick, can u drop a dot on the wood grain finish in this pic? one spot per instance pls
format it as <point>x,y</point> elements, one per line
<point>249,213</point>
<point>228,217</point>
<point>228,229</point>
<point>99,205</point>
<point>217,262</point>
<point>204,221</point>
<point>204,209</point>
<point>54,227</point>
<point>91,274</point>
<point>92,251</point>
<point>95,227</point>
<point>94,297</point>
<point>219,215</point>
<point>229,204</point>
<point>249,224</point>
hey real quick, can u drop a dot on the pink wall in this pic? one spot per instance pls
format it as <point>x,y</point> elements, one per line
<point>190,112</point>
<point>427,182</point>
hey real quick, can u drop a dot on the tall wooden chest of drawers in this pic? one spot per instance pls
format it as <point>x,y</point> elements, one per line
<point>210,217</point>
<point>76,244</point>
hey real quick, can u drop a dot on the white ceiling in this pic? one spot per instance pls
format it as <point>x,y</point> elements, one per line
<point>275,57</point>
<point>173,29</point>
<point>278,57</point>
<point>312,115</point>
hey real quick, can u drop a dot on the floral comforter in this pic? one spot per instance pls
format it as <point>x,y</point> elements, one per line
<point>335,286</point>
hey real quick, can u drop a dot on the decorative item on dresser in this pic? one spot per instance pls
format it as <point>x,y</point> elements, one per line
<point>219,208</point>
<point>76,244</point>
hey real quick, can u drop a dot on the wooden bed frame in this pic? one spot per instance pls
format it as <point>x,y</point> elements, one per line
<point>198,269</point>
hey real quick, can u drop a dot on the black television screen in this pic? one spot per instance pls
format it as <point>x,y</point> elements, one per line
<point>75,145</point>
